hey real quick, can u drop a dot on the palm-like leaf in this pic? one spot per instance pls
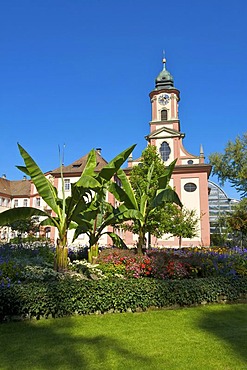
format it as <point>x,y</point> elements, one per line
<point>124,193</point>
<point>20,213</point>
<point>167,195</point>
<point>114,165</point>
<point>45,189</point>
<point>164,180</point>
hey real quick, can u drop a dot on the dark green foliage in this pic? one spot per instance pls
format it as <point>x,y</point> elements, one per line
<point>29,239</point>
<point>29,226</point>
<point>237,220</point>
<point>232,164</point>
<point>70,296</point>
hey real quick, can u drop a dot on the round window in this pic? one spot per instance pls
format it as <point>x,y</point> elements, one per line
<point>190,187</point>
<point>190,161</point>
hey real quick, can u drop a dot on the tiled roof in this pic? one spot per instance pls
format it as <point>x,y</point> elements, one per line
<point>16,188</point>
<point>79,165</point>
<point>20,188</point>
<point>4,186</point>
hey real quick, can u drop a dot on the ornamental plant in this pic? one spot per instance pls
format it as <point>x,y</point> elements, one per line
<point>80,210</point>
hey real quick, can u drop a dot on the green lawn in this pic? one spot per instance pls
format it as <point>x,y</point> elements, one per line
<point>210,337</point>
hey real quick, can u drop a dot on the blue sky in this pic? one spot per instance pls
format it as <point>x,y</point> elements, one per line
<point>79,73</point>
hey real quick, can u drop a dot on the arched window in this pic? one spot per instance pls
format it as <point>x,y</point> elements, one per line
<point>165,151</point>
<point>163,115</point>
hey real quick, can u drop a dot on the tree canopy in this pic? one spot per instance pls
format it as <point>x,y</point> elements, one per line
<point>237,219</point>
<point>232,164</point>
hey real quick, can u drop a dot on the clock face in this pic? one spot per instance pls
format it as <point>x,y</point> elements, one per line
<point>164,99</point>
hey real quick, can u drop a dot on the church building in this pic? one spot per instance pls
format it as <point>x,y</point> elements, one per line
<point>189,179</point>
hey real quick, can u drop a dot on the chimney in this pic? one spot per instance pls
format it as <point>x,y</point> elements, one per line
<point>98,150</point>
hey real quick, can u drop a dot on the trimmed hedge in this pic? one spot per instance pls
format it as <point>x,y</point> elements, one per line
<point>69,296</point>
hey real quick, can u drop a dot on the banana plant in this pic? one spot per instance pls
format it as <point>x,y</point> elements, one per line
<point>146,204</point>
<point>95,224</point>
<point>101,214</point>
<point>65,210</point>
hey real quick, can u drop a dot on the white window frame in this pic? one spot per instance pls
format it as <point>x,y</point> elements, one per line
<point>67,184</point>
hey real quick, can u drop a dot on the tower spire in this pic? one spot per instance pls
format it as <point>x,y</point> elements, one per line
<point>164,60</point>
<point>164,80</point>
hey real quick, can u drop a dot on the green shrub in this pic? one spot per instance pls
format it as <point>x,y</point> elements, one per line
<point>29,239</point>
<point>69,296</point>
<point>112,270</point>
<point>11,270</point>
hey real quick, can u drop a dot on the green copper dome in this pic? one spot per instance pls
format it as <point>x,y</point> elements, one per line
<point>164,79</point>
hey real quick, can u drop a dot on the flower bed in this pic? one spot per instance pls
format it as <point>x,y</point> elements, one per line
<point>121,281</point>
<point>27,262</point>
<point>175,264</point>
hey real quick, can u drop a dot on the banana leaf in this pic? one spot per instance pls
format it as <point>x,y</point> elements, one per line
<point>44,187</point>
<point>20,213</point>
<point>166,195</point>
<point>114,165</point>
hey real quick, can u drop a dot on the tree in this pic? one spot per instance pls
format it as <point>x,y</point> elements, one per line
<point>25,226</point>
<point>150,193</point>
<point>232,165</point>
<point>180,222</point>
<point>237,219</point>
<point>67,209</point>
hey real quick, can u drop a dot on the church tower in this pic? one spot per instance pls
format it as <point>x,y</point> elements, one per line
<point>165,122</point>
<point>165,131</point>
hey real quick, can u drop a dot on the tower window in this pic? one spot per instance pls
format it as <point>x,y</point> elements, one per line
<point>163,115</point>
<point>165,151</point>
